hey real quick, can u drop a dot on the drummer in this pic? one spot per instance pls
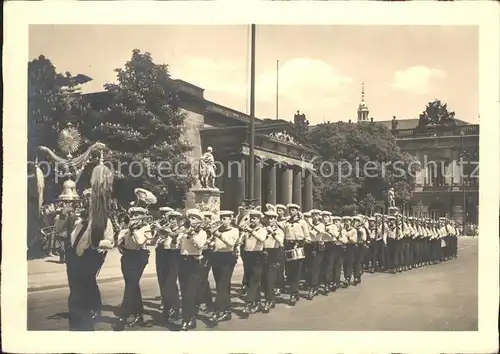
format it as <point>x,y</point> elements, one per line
<point>296,234</point>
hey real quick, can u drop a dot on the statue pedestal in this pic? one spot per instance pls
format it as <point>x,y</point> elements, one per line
<point>206,199</point>
<point>392,211</point>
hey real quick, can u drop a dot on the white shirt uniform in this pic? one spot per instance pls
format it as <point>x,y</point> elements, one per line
<point>168,242</point>
<point>297,230</point>
<point>254,240</point>
<point>331,233</point>
<point>361,235</point>
<point>193,245</point>
<point>135,240</point>
<point>275,237</point>
<point>317,232</point>
<point>226,241</point>
<point>351,235</point>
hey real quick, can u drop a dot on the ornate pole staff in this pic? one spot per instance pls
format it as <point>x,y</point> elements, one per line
<point>101,181</point>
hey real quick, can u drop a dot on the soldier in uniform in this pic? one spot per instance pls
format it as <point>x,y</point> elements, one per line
<point>82,265</point>
<point>413,242</point>
<point>340,244</point>
<point>405,243</point>
<point>135,255</point>
<point>392,244</point>
<point>351,236</point>
<point>204,294</point>
<point>377,244</point>
<point>281,220</point>
<point>316,251</point>
<point>160,251</point>
<point>296,235</point>
<point>372,250</point>
<point>223,260</point>
<point>330,236</point>
<point>255,235</point>
<point>359,248</point>
<point>170,240</point>
<point>273,245</point>
<point>192,241</point>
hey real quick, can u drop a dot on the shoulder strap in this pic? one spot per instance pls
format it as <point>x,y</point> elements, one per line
<point>80,233</point>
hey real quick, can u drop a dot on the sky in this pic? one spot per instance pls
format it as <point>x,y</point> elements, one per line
<point>321,68</point>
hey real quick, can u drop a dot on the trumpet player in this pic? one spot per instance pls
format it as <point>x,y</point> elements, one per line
<point>273,245</point>
<point>160,251</point>
<point>192,241</point>
<point>168,233</point>
<point>223,260</point>
<point>317,251</point>
<point>280,222</point>
<point>296,234</point>
<point>254,237</point>
<point>135,256</point>
<point>350,235</point>
<point>204,293</point>
<point>359,248</point>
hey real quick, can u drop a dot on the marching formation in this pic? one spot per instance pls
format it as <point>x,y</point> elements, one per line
<point>282,250</point>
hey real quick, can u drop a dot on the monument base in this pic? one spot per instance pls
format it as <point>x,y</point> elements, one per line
<point>393,211</point>
<point>206,199</point>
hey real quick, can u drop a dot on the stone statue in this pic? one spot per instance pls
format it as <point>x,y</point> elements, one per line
<point>207,170</point>
<point>394,123</point>
<point>390,198</point>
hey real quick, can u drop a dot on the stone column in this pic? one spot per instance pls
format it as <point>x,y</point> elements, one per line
<point>271,187</point>
<point>258,182</point>
<point>297,186</point>
<point>287,180</point>
<point>308,191</point>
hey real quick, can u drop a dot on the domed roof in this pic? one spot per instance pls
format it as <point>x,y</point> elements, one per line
<point>363,106</point>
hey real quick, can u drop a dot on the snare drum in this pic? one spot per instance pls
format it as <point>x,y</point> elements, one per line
<point>295,254</point>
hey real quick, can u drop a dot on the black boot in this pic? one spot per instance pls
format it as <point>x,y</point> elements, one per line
<point>137,321</point>
<point>188,325</point>
<point>224,316</point>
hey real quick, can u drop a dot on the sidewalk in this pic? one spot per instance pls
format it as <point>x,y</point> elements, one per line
<point>48,273</point>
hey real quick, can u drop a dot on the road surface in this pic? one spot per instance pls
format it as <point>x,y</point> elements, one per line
<point>438,297</point>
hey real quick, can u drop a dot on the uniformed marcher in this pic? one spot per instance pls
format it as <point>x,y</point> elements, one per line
<point>223,260</point>
<point>331,252</point>
<point>359,248</point>
<point>204,294</point>
<point>405,243</point>
<point>273,245</point>
<point>296,235</point>
<point>349,233</point>
<point>393,245</point>
<point>316,251</point>
<point>192,241</point>
<point>171,244</point>
<point>281,220</point>
<point>377,245</point>
<point>83,263</point>
<point>160,251</point>
<point>135,255</point>
<point>372,245</point>
<point>255,235</point>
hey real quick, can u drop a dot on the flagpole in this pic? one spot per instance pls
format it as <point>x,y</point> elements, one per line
<point>277,87</point>
<point>251,165</point>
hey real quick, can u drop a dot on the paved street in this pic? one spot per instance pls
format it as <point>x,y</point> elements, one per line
<point>439,297</point>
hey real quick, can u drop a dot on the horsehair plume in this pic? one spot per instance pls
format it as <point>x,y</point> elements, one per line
<point>101,183</point>
<point>40,185</point>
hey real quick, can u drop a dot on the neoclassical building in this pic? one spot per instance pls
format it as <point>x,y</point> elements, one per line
<point>283,167</point>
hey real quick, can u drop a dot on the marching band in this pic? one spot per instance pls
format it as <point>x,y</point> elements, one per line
<point>282,249</point>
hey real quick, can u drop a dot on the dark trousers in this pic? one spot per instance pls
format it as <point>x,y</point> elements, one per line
<point>189,280</point>
<point>246,271</point>
<point>348,261</point>
<point>84,295</point>
<point>222,267</point>
<point>133,263</point>
<point>406,252</point>
<point>254,264</point>
<point>204,293</point>
<point>315,265</point>
<point>293,269</point>
<point>170,293</point>
<point>377,253</point>
<point>270,269</point>
<point>280,280</point>
<point>338,260</point>
<point>359,251</point>
<point>395,252</point>
<point>328,261</point>
<point>160,269</point>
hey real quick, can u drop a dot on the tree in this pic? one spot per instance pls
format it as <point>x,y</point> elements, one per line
<point>436,113</point>
<point>301,124</point>
<point>143,128</point>
<point>359,163</point>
